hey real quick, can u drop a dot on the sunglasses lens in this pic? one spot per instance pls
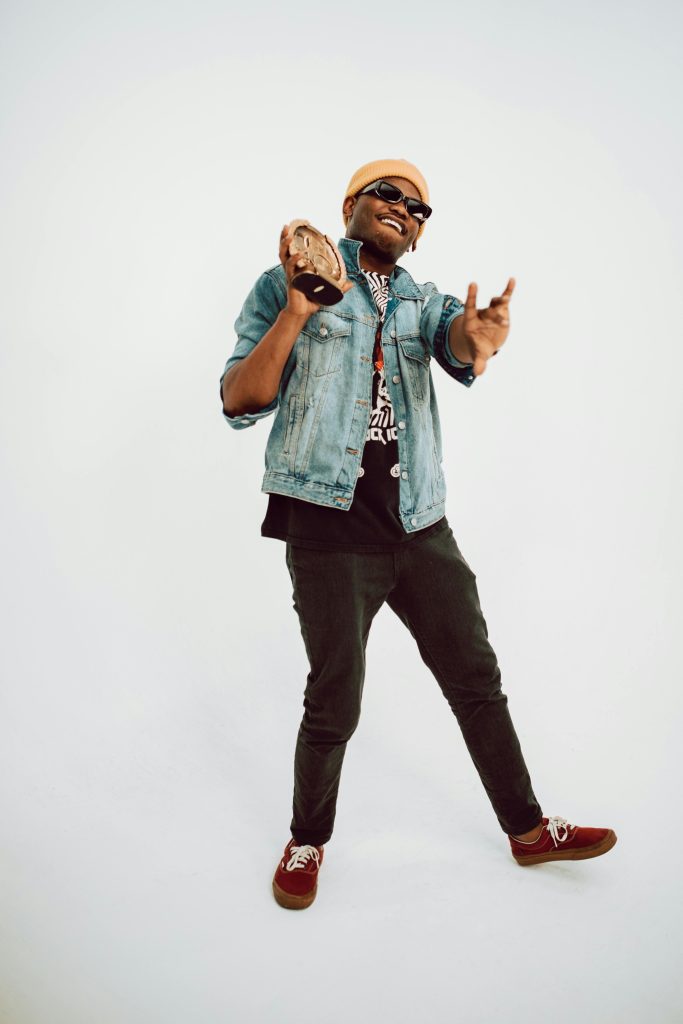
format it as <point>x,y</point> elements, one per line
<point>389,192</point>
<point>420,211</point>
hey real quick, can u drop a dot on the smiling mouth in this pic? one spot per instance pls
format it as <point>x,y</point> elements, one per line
<point>392,223</point>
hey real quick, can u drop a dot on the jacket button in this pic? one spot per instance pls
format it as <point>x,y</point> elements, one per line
<point>396,379</point>
<point>404,475</point>
<point>401,425</point>
<point>323,332</point>
<point>413,521</point>
<point>392,334</point>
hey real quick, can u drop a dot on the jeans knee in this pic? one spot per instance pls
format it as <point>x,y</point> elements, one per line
<point>330,726</point>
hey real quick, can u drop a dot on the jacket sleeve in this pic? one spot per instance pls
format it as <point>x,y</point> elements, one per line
<point>257,316</point>
<point>438,313</point>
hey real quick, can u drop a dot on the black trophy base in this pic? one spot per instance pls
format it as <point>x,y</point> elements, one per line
<point>317,289</point>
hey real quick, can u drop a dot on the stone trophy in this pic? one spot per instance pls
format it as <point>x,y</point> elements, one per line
<point>322,279</point>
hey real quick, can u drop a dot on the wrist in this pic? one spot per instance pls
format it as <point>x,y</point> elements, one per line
<point>456,342</point>
<point>294,317</point>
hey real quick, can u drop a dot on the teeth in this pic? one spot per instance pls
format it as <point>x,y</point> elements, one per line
<point>393,223</point>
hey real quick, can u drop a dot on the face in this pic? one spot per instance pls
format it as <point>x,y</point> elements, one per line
<point>370,222</point>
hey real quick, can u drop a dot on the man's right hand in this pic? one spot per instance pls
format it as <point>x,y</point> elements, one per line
<point>253,382</point>
<point>297,303</point>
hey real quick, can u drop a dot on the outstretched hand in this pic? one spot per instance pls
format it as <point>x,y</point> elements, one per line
<point>485,330</point>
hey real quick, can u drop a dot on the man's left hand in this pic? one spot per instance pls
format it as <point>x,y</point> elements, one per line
<point>481,332</point>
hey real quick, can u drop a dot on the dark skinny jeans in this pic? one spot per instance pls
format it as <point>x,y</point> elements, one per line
<point>432,589</point>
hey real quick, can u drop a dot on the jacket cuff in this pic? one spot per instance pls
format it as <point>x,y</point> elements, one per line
<point>247,419</point>
<point>462,372</point>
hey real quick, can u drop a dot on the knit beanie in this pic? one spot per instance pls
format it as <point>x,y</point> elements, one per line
<point>377,169</point>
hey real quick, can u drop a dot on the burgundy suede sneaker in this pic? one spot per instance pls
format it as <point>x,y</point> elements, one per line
<point>561,841</point>
<point>295,882</point>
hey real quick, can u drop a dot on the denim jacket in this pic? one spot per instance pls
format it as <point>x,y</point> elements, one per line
<point>323,405</point>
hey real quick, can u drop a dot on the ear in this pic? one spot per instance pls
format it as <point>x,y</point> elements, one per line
<point>348,207</point>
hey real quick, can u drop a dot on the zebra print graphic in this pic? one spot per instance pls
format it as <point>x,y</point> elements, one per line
<point>381,428</point>
<point>379,286</point>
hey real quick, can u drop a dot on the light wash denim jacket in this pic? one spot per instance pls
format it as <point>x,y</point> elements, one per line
<point>323,405</point>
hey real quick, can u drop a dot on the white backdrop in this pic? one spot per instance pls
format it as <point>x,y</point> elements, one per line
<point>153,669</point>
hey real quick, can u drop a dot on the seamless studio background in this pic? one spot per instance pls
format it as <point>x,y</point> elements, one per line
<point>152,665</point>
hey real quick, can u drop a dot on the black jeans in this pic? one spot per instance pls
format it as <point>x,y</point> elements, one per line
<point>432,589</point>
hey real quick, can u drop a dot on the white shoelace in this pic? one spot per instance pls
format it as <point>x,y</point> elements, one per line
<point>555,824</point>
<point>300,857</point>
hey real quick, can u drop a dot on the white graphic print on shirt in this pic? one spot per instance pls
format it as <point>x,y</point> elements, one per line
<point>382,427</point>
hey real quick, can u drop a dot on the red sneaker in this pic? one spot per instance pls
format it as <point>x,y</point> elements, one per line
<point>295,882</point>
<point>561,841</point>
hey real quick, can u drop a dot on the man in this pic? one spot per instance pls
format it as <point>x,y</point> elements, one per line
<point>357,493</point>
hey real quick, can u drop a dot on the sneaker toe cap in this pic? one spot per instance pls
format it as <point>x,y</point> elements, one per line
<point>297,883</point>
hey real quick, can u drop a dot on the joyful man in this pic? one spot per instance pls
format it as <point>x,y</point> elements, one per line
<point>357,493</point>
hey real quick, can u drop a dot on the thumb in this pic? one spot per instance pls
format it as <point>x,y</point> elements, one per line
<point>479,366</point>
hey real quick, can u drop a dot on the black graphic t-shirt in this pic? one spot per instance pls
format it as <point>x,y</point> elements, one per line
<point>372,522</point>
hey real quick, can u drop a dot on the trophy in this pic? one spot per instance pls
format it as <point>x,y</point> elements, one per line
<point>322,279</point>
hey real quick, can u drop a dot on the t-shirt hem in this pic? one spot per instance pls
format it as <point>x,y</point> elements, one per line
<point>361,549</point>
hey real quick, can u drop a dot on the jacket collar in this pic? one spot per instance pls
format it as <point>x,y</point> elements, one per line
<point>400,281</point>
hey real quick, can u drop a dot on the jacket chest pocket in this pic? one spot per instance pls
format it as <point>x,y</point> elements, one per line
<point>324,335</point>
<point>416,360</point>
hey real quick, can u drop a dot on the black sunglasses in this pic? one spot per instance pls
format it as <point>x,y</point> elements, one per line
<point>390,194</point>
